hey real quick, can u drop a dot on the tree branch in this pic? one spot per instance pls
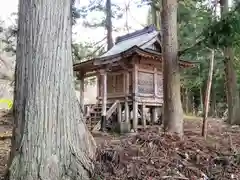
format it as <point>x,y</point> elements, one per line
<point>181,52</point>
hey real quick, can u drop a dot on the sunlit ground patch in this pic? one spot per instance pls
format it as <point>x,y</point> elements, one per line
<point>8,102</point>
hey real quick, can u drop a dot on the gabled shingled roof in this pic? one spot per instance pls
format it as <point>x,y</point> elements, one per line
<point>140,42</point>
<point>141,38</point>
<point>140,32</point>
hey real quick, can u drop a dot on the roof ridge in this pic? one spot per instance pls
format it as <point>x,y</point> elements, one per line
<point>143,43</point>
<point>145,30</point>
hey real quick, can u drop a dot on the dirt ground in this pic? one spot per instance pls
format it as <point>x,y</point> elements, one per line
<point>153,155</point>
<point>5,140</point>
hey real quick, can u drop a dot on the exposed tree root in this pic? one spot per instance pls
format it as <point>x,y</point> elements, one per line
<point>72,164</point>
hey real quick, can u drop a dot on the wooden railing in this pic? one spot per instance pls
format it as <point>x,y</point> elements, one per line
<point>88,108</point>
<point>112,109</point>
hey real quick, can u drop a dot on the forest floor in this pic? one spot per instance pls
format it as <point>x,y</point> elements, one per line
<point>153,155</point>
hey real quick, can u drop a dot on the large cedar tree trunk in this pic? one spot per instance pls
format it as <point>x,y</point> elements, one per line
<point>50,138</point>
<point>230,72</point>
<point>109,24</point>
<point>173,113</point>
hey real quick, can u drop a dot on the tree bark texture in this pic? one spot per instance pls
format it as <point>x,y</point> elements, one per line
<point>201,97</point>
<point>232,91</point>
<point>207,95</point>
<point>173,113</point>
<point>185,100</point>
<point>230,72</point>
<point>51,141</point>
<point>213,101</point>
<point>109,24</point>
<point>188,101</point>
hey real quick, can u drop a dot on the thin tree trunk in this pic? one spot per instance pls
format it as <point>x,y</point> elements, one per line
<point>207,95</point>
<point>189,102</point>
<point>186,96</point>
<point>173,113</point>
<point>201,97</point>
<point>193,105</point>
<point>209,84</point>
<point>183,99</point>
<point>154,14</point>
<point>213,102</point>
<point>126,18</point>
<point>50,139</point>
<point>230,72</point>
<point>109,24</point>
<point>149,16</point>
<point>159,25</point>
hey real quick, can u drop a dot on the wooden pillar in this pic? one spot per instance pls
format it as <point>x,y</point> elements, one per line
<point>98,80</point>
<point>161,115</point>
<point>155,82</point>
<point>135,115</point>
<point>126,97</point>
<point>119,113</point>
<point>126,104</point>
<point>126,111</point>
<point>135,80</point>
<point>104,99</point>
<point>127,84</point>
<point>135,93</point>
<point>143,118</point>
<point>154,115</point>
<point>81,94</point>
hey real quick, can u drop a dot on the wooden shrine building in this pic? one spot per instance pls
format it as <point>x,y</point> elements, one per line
<point>129,78</point>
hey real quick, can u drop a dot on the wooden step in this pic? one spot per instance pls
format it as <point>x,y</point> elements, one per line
<point>99,109</point>
<point>94,117</point>
<point>91,123</point>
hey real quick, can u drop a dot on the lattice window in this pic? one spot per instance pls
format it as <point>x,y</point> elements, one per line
<point>146,66</point>
<point>110,83</point>
<point>115,83</point>
<point>130,82</point>
<point>145,83</point>
<point>119,83</point>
